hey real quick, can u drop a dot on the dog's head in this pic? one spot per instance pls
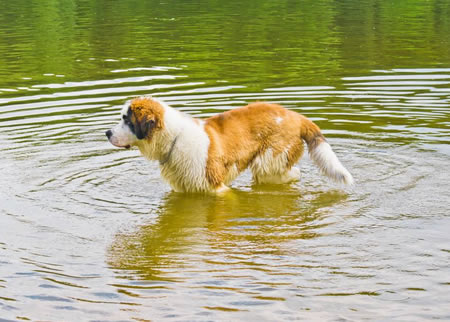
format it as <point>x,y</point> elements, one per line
<point>140,120</point>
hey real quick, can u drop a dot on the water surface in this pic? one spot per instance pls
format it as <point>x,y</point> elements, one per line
<point>91,232</point>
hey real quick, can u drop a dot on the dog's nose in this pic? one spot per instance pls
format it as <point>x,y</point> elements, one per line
<point>108,134</point>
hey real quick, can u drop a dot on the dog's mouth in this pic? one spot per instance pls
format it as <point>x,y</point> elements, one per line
<point>113,142</point>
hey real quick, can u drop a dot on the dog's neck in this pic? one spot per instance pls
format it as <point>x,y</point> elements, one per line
<point>161,145</point>
<point>181,147</point>
<point>166,158</point>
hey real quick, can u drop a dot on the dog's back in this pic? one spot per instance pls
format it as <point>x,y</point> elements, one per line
<point>269,139</point>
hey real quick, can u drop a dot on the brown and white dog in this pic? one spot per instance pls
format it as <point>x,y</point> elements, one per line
<point>206,155</point>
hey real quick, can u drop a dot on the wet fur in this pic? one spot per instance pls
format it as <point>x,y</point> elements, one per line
<point>207,155</point>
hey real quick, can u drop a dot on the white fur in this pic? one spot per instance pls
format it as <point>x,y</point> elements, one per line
<point>268,168</point>
<point>278,119</point>
<point>121,133</point>
<point>185,170</point>
<point>278,178</point>
<point>324,157</point>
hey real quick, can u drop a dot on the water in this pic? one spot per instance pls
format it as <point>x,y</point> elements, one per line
<point>91,232</point>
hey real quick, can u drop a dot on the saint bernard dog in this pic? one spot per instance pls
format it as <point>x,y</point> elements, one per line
<point>206,155</point>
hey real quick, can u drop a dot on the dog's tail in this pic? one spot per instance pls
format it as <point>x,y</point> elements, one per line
<point>322,154</point>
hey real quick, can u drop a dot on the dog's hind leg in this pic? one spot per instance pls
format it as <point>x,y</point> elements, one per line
<point>277,169</point>
<point>222,189</point>
<point>290,175</point>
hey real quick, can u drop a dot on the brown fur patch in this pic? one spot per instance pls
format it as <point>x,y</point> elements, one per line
<point>238,136</point>
<point>146,115</point>
<point>311,133</point>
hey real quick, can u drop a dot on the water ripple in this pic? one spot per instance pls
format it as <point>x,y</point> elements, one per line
<point>103,231</point>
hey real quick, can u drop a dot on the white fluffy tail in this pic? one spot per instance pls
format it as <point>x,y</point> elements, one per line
<point>322,154</point>
<point>328,163</point>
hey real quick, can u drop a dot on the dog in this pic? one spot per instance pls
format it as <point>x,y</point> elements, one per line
<point>206,155</point>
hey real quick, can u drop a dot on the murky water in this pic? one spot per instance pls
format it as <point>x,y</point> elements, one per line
<point>91,232</point>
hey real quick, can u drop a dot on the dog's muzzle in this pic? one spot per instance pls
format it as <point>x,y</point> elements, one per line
<point>109,134</point>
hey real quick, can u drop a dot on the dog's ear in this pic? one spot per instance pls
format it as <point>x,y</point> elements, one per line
<point>144,127</point>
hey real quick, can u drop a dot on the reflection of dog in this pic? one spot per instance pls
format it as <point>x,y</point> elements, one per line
<point>206,155</point>
<point>273,218</point>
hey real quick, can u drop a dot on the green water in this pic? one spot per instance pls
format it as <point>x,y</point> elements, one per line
<point>91,232</point>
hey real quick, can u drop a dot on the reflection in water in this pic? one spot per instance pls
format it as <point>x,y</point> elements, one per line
<point>239,222</point>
